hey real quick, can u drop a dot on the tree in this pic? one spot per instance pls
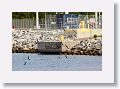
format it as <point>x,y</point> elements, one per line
<point>23,15</point>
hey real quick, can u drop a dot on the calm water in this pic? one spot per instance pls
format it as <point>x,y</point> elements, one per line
<point>35,62</point>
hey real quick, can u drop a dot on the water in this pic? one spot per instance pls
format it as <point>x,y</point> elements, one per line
<point>35,62</point>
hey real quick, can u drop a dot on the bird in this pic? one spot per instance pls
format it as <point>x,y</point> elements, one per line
<point>58,57</point>
<point>28,58</point>
<point>66,56</point>
<point>25,63</point>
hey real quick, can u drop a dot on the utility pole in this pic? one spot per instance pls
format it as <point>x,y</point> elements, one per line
<point>96,19</point>
<point>45,28</point>
<point>71,21</point>
<point>66,12</point>
<point>99,18</point>
<point>87,21</point>
<point>37,21</point>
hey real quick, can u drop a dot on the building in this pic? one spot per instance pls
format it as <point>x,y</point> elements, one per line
<point>68,21</point>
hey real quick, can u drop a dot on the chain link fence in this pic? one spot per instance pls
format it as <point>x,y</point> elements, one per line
<point>23,23</point>
<point>54,22</point>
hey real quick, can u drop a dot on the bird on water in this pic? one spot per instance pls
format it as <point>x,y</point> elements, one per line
<point>28,57</point>
<point>58,57</point>
<point>25,63</point>
<point>66,56</point>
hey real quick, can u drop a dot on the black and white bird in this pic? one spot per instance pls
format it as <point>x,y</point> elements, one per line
<point>25,63</point>
<point>28,58</point>
<point>66,56</point>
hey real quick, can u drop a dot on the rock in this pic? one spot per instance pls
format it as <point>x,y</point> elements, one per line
<point>28,39</point>
<point>88,47</point>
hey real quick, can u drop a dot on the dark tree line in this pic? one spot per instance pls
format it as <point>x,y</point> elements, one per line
<point>22,15</point>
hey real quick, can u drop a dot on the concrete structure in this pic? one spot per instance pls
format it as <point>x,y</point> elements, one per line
<point>53,47</point>
<point>82,33</point>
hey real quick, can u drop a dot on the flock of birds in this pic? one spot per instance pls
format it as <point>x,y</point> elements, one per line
<point>28,58</point>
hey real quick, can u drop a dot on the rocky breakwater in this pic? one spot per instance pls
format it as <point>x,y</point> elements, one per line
<point>91,46</point>
<point>26,40</point>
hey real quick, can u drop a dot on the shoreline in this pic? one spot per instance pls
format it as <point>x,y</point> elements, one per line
<point>27,42</point>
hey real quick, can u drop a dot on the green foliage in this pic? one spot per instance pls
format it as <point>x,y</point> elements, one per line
<point>22,15</point>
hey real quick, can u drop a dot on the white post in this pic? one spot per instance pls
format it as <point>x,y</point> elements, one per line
<point>37,21</point>
<point>99,18</point>
<point>45,28</point>
<point>96,19</point>
<point>71,21</point>
<point>87,21</point>
<point>66,12</point>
